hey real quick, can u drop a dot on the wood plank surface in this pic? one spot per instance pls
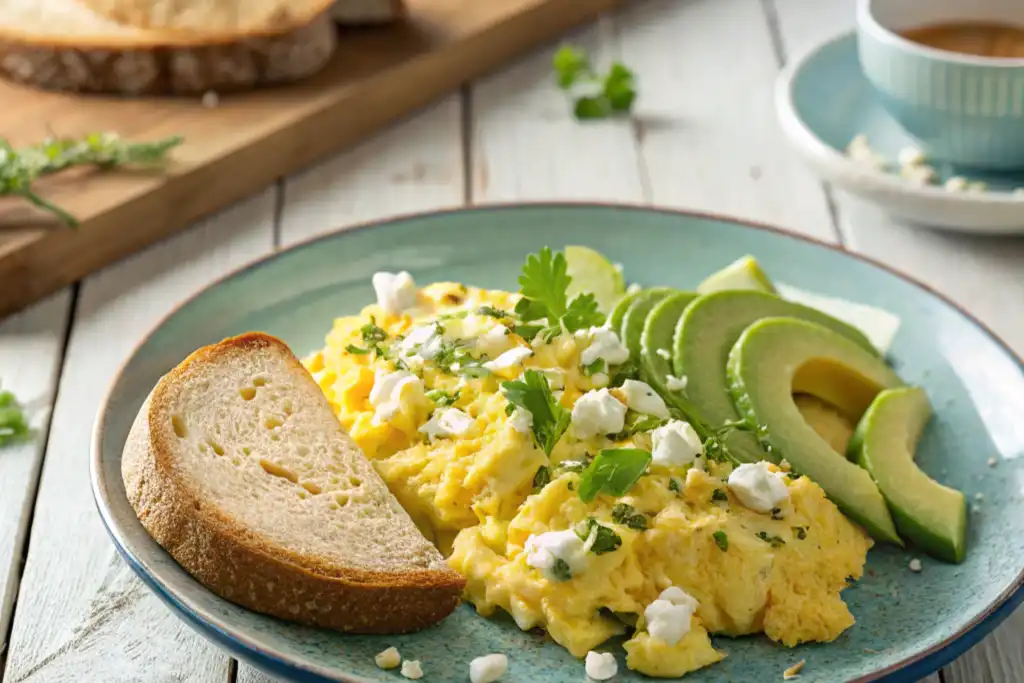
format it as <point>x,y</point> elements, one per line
<point>81,614</point>
<point>250,139</point>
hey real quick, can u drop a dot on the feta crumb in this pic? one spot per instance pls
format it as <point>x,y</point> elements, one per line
<point>388,659</point>
<point>555,378</point>
<point>211,99</point>
<point>673,383</point>
<point>992,462</point>
<point>675,444</point>
<point>915,565</point>
<point>794,671</point>
<point>447,422</point>
<point>488,668</point>
<point>391,390</point>
<point>411,669</point>
<point>494,340</point>
<point>910,156</point>
<point>521,420</point>
<point>757,487</point>
<point>604,345</point>
<point>633,288</point>
<point>956,183</point>
<point>423,343</point>
<point>918,175</point>
<point>600,379</point>
<point>509,359</point>
<point>664,353</point>
<point>597,412</point>
<point>858,150</point>
<point>395,293</point>
<point>559,555</point>
<point>600,666</point>
<point>668,618</point>
<point>643,399</point>
<point>979,496</point>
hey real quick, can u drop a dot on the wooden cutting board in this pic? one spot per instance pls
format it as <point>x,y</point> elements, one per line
<point>247,141</point>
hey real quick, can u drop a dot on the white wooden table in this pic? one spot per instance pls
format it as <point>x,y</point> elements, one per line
<point>704,136</point>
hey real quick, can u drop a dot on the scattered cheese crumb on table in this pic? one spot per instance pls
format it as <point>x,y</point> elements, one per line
<point>992,462</point>
<point>488,668</point>
<point>915,565</point>
<point>411,669</point>
<point>388,659</point>
<point>794,671</point>
<point>601,666</point>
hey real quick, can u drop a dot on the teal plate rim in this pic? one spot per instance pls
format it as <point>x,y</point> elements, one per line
<point>247,649</point>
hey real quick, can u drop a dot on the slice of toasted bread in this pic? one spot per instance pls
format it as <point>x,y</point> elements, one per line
<point>211,16</point>
<point>63,45</point>
<point>366,12</point>
<point>237,466</point>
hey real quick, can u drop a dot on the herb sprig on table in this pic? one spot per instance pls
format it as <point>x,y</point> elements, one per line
<point>20,168</point>
<point>13,424</point>
<point>595,96</point>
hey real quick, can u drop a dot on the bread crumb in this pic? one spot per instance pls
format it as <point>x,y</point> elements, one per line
<point>794,671</point>
<point>992,462</point>
<point>388,659</point>
<point>211,99</point>
<point>915,565</point>
<point>411,669</point>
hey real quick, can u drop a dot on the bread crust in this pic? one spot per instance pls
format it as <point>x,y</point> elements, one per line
<point>159,62</point>
<point>241,566</point>
<point>217,17</point>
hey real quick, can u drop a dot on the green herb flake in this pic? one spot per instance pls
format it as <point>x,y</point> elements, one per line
<point>800,532</point>
<point>543,283</point>
<point>719,495</point>
<point>357,350</point>
<point>532,393</point>
<point>493,312</point>
<point>371,333</point>
<point>793,475</point>
<point>639,425</point>
<point>605,540</point>
<point>595,96</point>
<point>673,485</point>
<point>13,424</point>
<point>774,541</point>
<point>721,539</point>
<point>626,515</point>
<point>613,471</point>
<point>560,570</point>
<point>541,479</point>
<point>776,513</point>
<point>442,398</point>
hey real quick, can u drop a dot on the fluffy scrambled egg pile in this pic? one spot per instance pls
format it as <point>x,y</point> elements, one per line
<point>692,547</point>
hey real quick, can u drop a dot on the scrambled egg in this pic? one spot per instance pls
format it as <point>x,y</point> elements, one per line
<point>482,493</point>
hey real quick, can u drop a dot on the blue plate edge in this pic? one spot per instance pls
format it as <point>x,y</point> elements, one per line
<point>907,671</point>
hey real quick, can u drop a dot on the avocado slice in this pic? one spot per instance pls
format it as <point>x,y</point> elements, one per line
<point>931,515</point>
<point>775,358</point>
<point>658,335</point>
<point>620,308</point>
<point>744,274</point>
<point>632,328</point>
<point>707,331</point>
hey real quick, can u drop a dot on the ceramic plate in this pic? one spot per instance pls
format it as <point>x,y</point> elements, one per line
<point>823,100</point>
<point>907,624</point>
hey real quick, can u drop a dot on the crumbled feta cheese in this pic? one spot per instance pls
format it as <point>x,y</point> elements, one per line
<point>757,487</point>
<point>992,462</point>
<point>956,183</point>
<point>488,668</point>
<point>388,659</point>
<point>447,422</point>
<point>509,359</point>
<point>604,345</point>
<point>859,151</point>
<point>600,379</point>
<point>555,552</point>
<point>390,391</point>
<point>918,175</point>
<point>423,343</point>
<point>600,666</point>
<point>668,618</point>
<point>395,293</point>
<point>794,671</point>
<point>521,420</point>
<point>915,565</point>
<point>910,156</point>
<point>643,399</point>
<point>676,444</point>
<point>494,340</point>
<point>597,412</point>
<point>411,669</point>
<point>664,353</point>
<point>673,383</point>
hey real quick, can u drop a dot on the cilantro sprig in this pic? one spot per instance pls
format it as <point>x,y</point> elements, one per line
<point>544,284</point>
<point>532,393</point>
<point>13,424</point>
<point>596,96</point>
<point>613,471</point>
<point>602,539</point>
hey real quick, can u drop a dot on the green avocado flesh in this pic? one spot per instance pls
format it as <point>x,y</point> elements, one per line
<point>632,328</point>
<point>743,273</point>
<point>620,308</point>
<point>704,336</point>
<point>659,332</point>
<point>931,515</point>
<point>777,357</point>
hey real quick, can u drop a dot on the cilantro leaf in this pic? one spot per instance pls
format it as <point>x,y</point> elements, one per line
<point>493,312</point>
<point>594,96</point>
<point>13,425</point>
<point>721,539</point>
<point>570,63</point>
<point>582,313</point>
<point>371,333</point>
<point>589,108</point>
<point>541,479</point>
<point>357,350</point>
<point>619,88</point>
<point>613,471</point>
<point>442,398</point>
<point>543,284</point>
<point>626,515</point>
<point>532,393</point>
<point>605,540</point>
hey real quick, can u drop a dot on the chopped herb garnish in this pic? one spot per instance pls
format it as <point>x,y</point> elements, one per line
<point>775,541</point>
<point>721,539</point>
<point>550,420</point>
<point>793,475</point>
<point>575,465</point>
<point>509,409</point>
<point>541,479</point>
<point>605,539</point>
<point>571,486</point>
<point>640,424</point>
<point>601,96</point>
<point>614,471</point>
<point>719,495</point>
<point>776,513</point>
<point>560,570</point>
<point>800,532</point>
<point>371,333</point>
<point>357,350</point>
<point>543,283</point>
<point>626,514</point>
<point>627,370</point>
<point>442,398</point>
<point>13,425</point>
<point>673,485</point>
<point>594,368</point>
<point>493,312</point>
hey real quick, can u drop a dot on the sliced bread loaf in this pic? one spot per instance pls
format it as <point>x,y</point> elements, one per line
<point>63,45</point>
<point>211,16</point>
<point>237,466</point>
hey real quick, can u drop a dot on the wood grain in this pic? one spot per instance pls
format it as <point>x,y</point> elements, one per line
<point>81,613</point>
<point>250,140</point>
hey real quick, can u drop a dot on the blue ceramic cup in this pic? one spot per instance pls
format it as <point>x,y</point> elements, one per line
<point>964,109</point>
